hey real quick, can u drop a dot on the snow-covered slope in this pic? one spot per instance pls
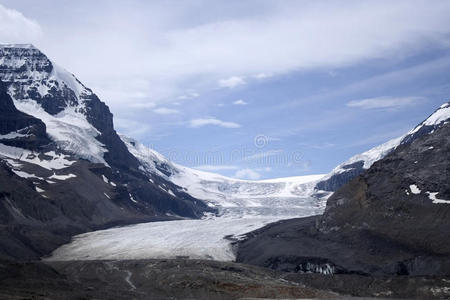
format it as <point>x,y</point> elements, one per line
<point>344,172</point>
<point>225,192</point>
<point>48,92</point>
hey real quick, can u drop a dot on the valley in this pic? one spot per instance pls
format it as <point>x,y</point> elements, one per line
<point>88,213</point>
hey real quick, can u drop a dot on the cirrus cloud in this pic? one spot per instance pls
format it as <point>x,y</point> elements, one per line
<point>166,111</point>
<point>196,123</point>
<point>16,28</point>
<point>385,102</point>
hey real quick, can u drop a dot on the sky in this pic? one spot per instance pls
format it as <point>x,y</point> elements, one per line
<point>250,89</point>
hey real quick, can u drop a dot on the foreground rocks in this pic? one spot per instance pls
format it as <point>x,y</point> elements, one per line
<point>146,279</point>
<point>197,279</point>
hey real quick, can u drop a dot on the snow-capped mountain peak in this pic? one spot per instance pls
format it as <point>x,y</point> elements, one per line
<point>351,168</point>
<point>41,88</point>
<point>441,115</point>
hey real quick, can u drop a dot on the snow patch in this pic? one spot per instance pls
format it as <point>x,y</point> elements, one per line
<point>12,135</point>
<point>435,200</point>
<point>131,198</point>
<point>62,177</point>
<point>56,161</point>
<point>69,129</point>
<point>25,174</point>
<point>414,189</point>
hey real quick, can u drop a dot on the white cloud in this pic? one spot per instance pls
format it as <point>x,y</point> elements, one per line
<point>216,167</point>
<point>385,102</point>
<point>232,82</point>
<point>262,155</point>
<point>16,28</point>
<point>240,102</point>
<point>247,174</point>
<point>182,48</point>
<point>195,123</point>
<point>189,95</point>
<point>131,128</point>
<point>262,76</point>
<point>143,105</point>
<point>166,111</point>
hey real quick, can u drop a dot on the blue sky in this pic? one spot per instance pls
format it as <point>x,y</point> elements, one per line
<point>250,89</point>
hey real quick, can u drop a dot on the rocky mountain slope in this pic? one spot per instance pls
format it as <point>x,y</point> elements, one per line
<point>64,170</point>
<point>392,219</point>
<point>357,164</point>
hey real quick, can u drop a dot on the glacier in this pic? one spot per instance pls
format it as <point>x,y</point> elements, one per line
<point>242,205</point>
<point>211,237</point>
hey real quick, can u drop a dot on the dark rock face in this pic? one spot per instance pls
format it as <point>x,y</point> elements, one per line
<point>18,63</point>
<point>375,225</point>
<point>101,118</point>
<point>383,202</point>
<point>12,120</point>
<point>336,181</point>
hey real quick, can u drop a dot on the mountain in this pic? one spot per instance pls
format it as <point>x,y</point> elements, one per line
<point>357,164</point>
<point>64,169</point>
<point>233,196</point>
<point>393,219</point>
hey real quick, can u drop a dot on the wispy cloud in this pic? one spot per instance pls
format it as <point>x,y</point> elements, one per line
<point>196,123</point>
<point>143,105</point>
<point>188,95</point>
<point>16,28</point>
<point>247,174</point>
<point>232,82</point>
<point>262,75</point>
<point>216,167</point>
<point>251,174</point>
<point>385,102</point>
<point>166,111</point>
<point>262,155</point>
<point>131,127</point>
<point>240,102</point>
